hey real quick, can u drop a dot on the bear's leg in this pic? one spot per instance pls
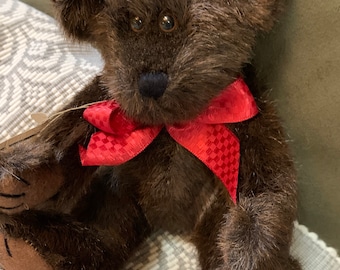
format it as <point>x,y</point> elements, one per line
<point>61,242</point>
<point>256,234</point>
<point>251,235</point>
<point>101,233</point>
<point>112,207</point>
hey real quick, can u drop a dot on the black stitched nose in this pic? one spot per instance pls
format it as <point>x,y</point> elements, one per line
<point>153,84</point>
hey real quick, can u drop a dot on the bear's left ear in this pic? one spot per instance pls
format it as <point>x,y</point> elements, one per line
<point>78,16</point>
<point>261,14</point>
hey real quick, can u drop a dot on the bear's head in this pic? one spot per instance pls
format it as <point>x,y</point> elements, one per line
<point>166,59</point>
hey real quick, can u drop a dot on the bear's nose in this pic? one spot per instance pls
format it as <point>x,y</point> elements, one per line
<point>153,84</point>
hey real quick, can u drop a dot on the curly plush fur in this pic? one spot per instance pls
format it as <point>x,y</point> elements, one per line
<point>94,218</point>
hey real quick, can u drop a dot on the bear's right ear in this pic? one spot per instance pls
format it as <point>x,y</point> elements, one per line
<point>78,16</point>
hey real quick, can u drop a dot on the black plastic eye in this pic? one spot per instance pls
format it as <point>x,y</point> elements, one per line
<point>167,23</point>
<point>136,24</point>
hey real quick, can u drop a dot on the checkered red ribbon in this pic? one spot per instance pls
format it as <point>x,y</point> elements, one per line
<point>120,138</point>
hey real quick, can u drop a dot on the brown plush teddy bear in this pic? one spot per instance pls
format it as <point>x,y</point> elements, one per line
<point>175,133</point>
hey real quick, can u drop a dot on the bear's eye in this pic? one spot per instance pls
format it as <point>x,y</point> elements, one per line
<point>136,24</point>
<point>167,23</point>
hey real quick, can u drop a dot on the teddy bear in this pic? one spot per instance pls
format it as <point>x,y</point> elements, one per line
<point>176,133</point>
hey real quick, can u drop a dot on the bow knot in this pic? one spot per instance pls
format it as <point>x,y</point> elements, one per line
<point>121,138</point>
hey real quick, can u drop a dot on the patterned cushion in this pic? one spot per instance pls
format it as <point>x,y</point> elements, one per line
<point>39,71</point>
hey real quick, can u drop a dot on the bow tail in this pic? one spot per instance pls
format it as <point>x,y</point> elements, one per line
<point>106,150</point>
<point>217,147</point>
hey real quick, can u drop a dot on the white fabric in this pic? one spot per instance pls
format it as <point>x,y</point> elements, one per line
<point>165,251</point>
<point>312,252</point>
<point>39,71</point>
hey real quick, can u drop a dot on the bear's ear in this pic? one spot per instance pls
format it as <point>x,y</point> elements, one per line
<point>261,14</point>
<point>78,16</point>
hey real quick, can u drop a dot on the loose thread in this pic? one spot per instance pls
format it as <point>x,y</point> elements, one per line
<point>20,179</point>
<point>40,128</point>
<point>55,116</point>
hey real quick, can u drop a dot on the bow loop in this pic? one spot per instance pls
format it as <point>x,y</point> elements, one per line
<point>108,117</point>
<point>119,139</point>
<point>106,150</point>
<point>234,104</point>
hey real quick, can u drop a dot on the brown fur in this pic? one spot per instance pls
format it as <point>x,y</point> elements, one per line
<point>95,217</point>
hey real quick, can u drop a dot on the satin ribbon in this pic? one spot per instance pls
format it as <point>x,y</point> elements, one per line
<point>207,137</point>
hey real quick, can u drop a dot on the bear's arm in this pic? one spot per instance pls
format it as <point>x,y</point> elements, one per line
<point>259,228</point>
<point>45,171</point>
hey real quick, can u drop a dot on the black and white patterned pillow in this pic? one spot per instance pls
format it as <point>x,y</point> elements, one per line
<point>39,69</point>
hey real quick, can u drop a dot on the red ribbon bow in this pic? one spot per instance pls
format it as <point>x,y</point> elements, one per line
<point>120,138</point>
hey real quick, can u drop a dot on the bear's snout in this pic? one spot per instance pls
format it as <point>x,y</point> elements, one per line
<point>153,84</point>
